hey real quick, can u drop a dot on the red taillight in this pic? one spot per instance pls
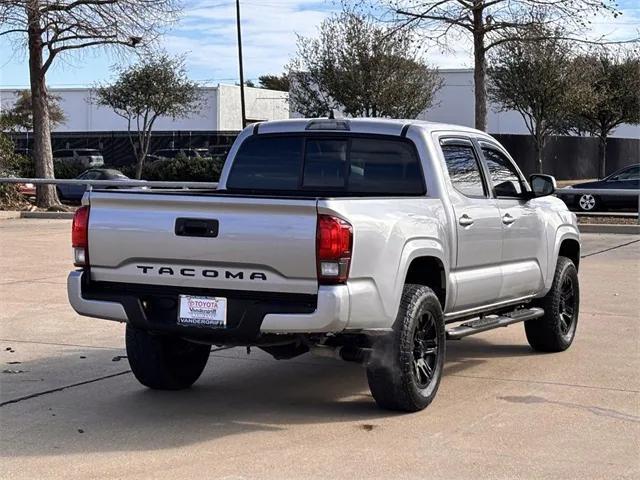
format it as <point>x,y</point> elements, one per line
<point>334,240</point>
<point>80,237</point>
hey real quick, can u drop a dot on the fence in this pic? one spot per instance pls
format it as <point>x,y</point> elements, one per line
<point>567,158</point>
<point>116,147</point>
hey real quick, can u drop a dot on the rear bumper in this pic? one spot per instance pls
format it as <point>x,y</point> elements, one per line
<point>154,308</point>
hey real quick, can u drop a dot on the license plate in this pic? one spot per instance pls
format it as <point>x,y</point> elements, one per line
<point>202,311</point>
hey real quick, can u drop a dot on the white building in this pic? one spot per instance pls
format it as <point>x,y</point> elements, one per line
<point>454,103</point>
<point>220,110</point>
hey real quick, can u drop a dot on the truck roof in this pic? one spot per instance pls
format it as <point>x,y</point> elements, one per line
<point>382,126</point>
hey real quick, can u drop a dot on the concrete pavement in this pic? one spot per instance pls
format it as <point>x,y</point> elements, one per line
<point>71,409</point>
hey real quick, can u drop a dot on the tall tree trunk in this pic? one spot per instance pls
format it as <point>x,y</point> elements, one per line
<point>539,142</point>
<point>479,70</point>
<point>539,156</point>
<point>140,162</point>
<point>602,151</point>
<point>46,195</point>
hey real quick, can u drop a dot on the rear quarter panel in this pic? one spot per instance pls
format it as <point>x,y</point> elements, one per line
<point>388,233</point>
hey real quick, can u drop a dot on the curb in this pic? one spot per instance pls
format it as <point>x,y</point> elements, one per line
<point>608,228</point>
<point>9,214</point>
<point>47,215</point>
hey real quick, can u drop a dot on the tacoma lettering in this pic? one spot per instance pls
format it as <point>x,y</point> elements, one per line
<point>207,273</point>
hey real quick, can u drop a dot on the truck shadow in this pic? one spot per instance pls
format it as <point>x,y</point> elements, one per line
<point>236,395</point>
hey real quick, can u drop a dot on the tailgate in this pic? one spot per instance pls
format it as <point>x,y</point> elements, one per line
<point>262,244</point>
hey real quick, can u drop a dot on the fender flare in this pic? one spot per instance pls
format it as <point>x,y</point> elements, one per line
<point>417,248</point>
<point>564,232</point>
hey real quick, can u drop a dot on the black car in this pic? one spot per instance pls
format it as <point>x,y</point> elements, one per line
<point>75,192</point>
<point>627,178</point>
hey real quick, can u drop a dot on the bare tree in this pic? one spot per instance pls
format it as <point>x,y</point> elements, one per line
<point>157,86</point>
<point>357,66</point>
<point>490,23</point>
<point>51,28</point>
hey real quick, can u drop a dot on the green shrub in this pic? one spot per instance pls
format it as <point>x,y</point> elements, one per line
<point>182,169</point>
<point>11,165</point>
<point>67,170</point>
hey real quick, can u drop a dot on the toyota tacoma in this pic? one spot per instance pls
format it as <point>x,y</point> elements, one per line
<point>375,241</point>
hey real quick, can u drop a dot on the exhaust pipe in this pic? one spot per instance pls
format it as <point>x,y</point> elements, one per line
<point>348,354</point>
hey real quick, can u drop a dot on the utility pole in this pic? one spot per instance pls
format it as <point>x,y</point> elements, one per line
<point>242,104</point>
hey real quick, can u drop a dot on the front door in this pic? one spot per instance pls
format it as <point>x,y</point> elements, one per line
<point>524,245</point>
<point>478,227</point>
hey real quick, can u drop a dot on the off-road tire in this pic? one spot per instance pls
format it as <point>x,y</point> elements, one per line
<point>391,371</point>
<point>549,333</point>
<point>163,362</point>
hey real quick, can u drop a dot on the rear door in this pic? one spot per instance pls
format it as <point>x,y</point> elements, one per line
<point>478,225</point>
<point>524,242</point>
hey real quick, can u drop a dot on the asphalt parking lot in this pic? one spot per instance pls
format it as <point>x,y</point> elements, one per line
<point>70,408</point>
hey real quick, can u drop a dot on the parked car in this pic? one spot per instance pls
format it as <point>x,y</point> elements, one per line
<point>596,198</point>
<point>74,193</point>
<point>371,240</point>
<point>171,153</point>
<point>24,152</point>
<point>27,189</point>
<point>83,157</point>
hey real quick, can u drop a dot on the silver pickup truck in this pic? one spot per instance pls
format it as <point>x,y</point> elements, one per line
<point>371,240</point>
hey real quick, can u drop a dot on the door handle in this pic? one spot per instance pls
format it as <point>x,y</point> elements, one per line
<point>508,219</point>
<point>465,220</point>
<point>196,227</point>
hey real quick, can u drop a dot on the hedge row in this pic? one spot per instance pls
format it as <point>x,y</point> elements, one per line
<point>180,169</point>
<point>175,170</point>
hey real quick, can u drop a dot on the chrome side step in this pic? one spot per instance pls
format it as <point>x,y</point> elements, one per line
<point>490,322</point>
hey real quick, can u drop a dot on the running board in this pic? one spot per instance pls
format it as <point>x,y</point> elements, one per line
<point>492,321</point>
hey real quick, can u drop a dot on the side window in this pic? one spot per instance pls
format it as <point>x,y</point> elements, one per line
<point>464,169</point>
<point>90,175</point>
<point>632,173</point>
<point>504,176</point>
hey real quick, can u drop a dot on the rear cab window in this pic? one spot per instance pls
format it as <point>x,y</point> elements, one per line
<point>327,165</point>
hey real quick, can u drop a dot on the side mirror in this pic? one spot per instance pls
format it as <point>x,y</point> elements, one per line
<point>542,185</point>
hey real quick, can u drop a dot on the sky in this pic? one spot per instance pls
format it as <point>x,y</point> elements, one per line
<point>206,35</point>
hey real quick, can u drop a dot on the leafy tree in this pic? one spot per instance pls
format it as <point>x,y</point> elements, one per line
<point>157,86</point>
<point>537,80</point>
<point>11,165</point>
<point>275,82</point>
<point>613,95</point>
<point>361,68</point>
<point>491,23</point>
<point>50,29</point>
<point>21,114</point>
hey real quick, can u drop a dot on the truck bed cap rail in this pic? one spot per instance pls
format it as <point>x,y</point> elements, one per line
<point>111,183</point>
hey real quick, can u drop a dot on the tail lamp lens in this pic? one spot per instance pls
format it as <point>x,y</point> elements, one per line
<point>80,237</point>
<point>334,243</point>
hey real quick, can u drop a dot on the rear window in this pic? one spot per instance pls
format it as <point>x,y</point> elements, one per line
<point>320,164</point>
